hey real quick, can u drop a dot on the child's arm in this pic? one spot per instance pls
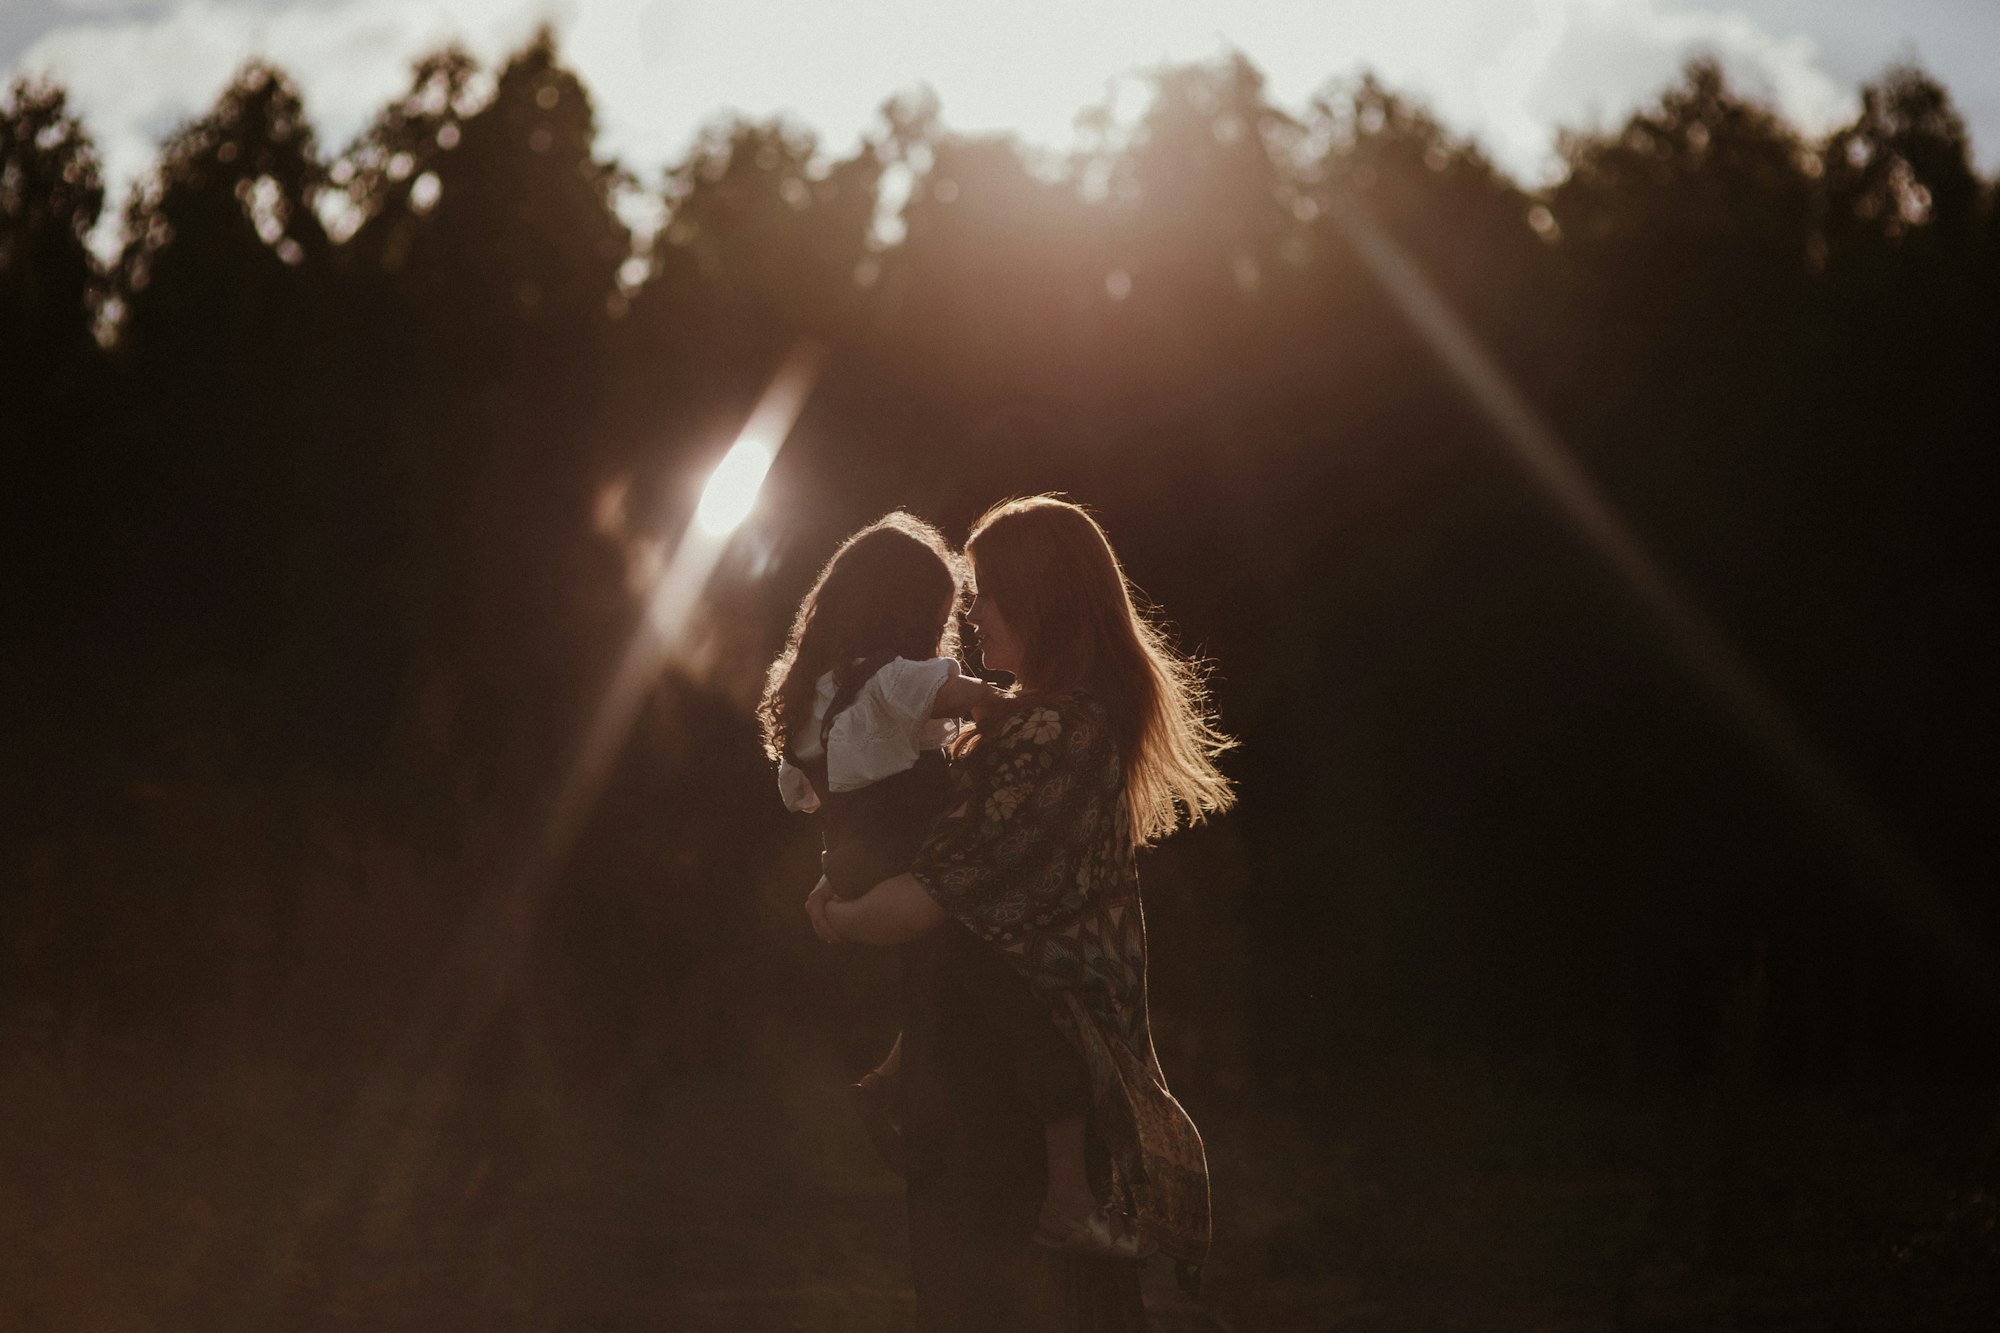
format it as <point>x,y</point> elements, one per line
<point>961,696</point>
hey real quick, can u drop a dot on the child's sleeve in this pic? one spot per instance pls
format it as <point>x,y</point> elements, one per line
<point>890,724</point>
<point>908,693</point>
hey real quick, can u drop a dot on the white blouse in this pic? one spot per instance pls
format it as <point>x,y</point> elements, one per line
<point>882,733</point>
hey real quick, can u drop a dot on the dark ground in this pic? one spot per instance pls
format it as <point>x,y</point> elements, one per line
<point>147,1188</point>
<point>235,1121</point>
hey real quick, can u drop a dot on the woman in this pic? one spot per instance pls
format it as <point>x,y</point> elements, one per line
<point>1027,892</point>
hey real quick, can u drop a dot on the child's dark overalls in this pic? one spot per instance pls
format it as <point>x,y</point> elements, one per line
<point>874,833</point>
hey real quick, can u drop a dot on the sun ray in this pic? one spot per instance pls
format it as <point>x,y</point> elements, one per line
<point>1808,771</point>
<point>401,1110</point>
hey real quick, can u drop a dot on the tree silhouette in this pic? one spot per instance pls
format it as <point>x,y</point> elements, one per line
<point>329,501</point>
<point>485,274</point>
<point>1902,172</point>
<point>225,224</point>
<point>219,345</point>
<point>50,196</point>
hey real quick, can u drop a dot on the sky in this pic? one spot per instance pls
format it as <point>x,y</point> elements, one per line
<point>1508,72</point>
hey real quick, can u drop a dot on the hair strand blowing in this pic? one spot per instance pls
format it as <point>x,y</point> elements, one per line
<point>1048,565</point>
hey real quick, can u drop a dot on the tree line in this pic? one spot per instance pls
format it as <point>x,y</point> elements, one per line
<point>335,484</point>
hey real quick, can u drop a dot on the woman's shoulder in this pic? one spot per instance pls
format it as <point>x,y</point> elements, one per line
<point>1074,719</point>
<point>1078,705</point>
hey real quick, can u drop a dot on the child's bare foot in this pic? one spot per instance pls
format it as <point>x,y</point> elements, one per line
<point>1072,1219</point>
<point>1099,1232</point>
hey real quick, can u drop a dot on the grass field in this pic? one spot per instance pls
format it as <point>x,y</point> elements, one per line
<point>146,1187</point>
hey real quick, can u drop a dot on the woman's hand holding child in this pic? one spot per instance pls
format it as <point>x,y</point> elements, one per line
<point>816,902</point>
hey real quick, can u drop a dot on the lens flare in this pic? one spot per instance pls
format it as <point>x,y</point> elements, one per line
<point>1813,773</point>
<point>403,1109</point>
<point>732,488</point>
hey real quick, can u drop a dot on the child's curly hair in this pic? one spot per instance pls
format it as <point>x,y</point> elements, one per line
<point>893,589</point>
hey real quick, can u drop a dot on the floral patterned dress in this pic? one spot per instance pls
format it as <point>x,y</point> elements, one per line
<point>1035,857</point>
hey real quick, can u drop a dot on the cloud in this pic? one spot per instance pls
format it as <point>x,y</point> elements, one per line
<point>1508,71</point>
<point>136,75</point>
<point>1588,63</point>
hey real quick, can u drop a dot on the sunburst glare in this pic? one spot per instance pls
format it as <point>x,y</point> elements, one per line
<point>732,489</point>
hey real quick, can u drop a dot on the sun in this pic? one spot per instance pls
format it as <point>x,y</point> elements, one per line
<point>732,488</point>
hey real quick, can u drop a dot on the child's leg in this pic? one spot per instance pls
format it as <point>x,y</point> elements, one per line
<point>877,1095</point>
<point>891,1067</point>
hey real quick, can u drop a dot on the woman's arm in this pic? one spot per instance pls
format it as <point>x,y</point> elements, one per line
<point>893,912</point>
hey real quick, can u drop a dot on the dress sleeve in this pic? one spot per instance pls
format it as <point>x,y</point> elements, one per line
<point>1007,860</point>
<point>908,692</point>
<point>889,724</point>
<point>796,788</point>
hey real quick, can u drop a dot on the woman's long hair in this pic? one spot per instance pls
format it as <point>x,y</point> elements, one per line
<point>1048,566</point>
<point>880,596</point>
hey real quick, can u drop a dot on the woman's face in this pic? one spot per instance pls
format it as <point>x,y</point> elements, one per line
<point>999,650</point>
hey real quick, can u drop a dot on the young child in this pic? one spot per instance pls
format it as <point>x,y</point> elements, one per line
<point>860,706</point>
<point>857,712</point>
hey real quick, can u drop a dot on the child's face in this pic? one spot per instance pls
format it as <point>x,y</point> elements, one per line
<point>999,650</point>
